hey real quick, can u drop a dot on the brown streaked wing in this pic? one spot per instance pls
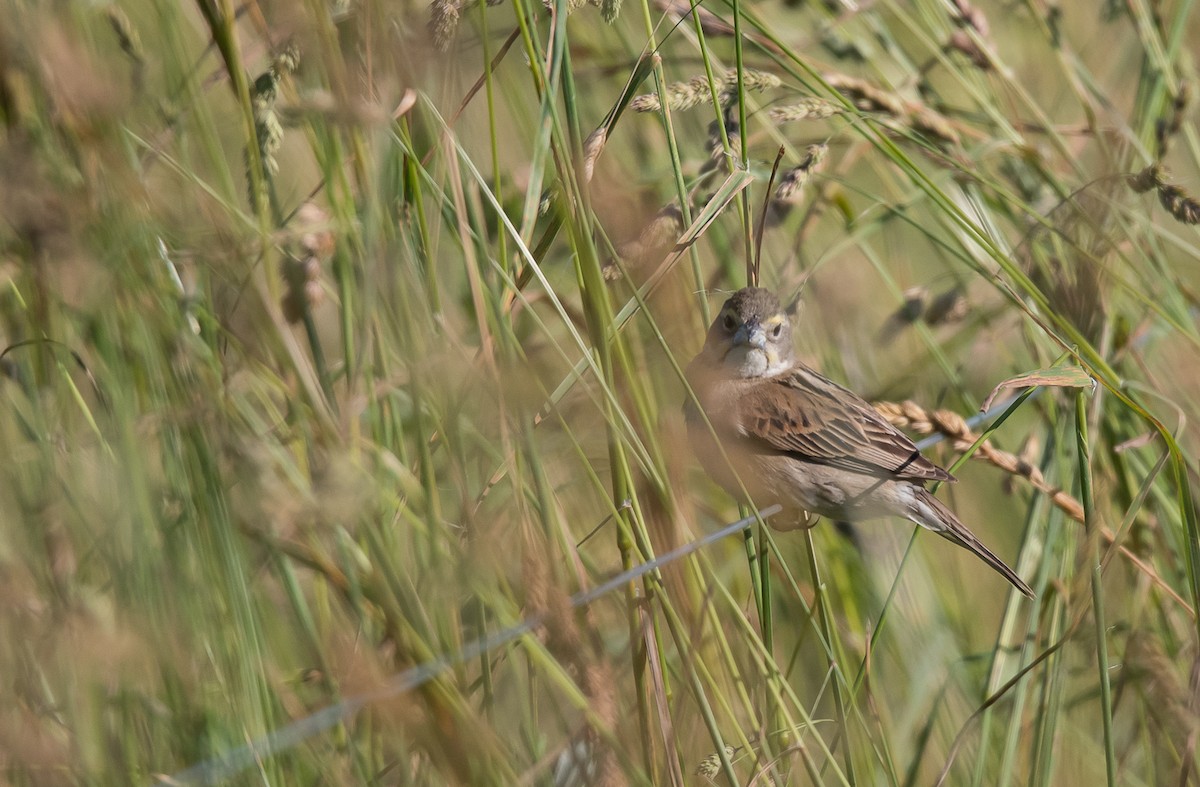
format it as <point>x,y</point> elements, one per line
<point>803,413</point>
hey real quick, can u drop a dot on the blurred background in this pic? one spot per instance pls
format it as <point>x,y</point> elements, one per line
<point>340,360</point>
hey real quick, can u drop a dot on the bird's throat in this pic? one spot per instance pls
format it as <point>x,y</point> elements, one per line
<point>749,362</point>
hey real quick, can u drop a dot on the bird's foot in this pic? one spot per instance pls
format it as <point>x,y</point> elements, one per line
<point>794,519</point>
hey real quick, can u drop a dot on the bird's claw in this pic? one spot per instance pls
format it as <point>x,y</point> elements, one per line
<point>793,520</point>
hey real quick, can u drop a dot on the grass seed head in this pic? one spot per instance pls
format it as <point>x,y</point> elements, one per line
<point>593,146</point>
<point>443,23</point>
<point>866,96</point>
<point>1151,177</point>
<point>790,190</point>
<point>710,766</point>
<point>1179,203</point>
<point>696,91</point>
<point>926,120</point>
<point>810,108</point>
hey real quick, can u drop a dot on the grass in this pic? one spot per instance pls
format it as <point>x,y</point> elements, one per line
<point>341,380</point>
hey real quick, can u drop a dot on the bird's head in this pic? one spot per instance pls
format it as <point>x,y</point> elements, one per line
<point>752,335</point>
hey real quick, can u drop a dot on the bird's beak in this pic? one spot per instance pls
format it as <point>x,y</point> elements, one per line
<point>752,334</point>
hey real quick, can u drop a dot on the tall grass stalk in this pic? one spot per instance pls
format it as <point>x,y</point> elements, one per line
<point>1093,559</point>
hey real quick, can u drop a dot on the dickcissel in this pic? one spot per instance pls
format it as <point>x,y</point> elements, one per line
<point>788,435</point>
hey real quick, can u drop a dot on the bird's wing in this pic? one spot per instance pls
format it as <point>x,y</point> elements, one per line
<point>814,418</point>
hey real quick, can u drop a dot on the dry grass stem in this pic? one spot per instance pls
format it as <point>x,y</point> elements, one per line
<point>910,415</point>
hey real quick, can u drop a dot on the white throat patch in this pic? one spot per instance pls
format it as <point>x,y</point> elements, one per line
<point>750,362</point>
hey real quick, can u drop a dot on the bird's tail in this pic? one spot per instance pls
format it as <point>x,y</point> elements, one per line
<point>933,514</point>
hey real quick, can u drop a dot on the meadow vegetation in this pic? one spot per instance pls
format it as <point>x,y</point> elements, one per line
<point>340,382</point>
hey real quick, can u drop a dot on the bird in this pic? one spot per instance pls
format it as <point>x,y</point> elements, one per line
<point>769,429</point>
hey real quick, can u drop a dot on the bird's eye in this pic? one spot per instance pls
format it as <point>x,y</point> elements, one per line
<point>777,331</point>
<point>728,323</point>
